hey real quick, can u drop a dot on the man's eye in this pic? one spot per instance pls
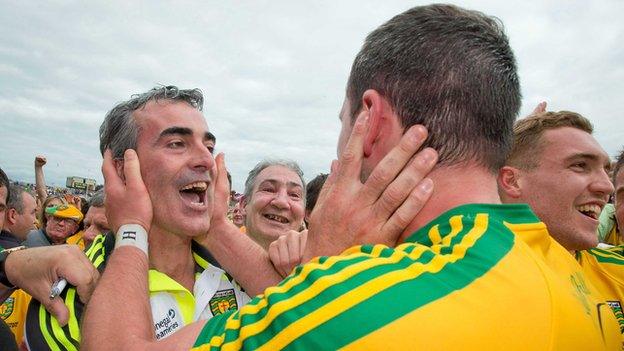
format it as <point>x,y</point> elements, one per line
<point>579,165</point>
<point>175,144</point>
<point>295,195</point>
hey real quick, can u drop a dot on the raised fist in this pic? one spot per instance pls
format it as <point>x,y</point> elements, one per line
<point>40,161</point>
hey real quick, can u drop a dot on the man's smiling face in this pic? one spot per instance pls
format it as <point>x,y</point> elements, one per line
<point>569,187</point>
<point>276,204</point>
<point>176,165</point>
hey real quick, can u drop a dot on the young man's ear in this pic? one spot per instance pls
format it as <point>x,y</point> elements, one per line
<point>508,182</point>
<point>378,111</point>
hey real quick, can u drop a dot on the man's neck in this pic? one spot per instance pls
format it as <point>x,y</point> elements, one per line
<point>455,186</point>
<point>171,254</point>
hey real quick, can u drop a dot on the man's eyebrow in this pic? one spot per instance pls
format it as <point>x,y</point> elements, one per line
<point>277,182</point>
<point>296,185</point>
<point>591,157</point>
<point>175,131</point>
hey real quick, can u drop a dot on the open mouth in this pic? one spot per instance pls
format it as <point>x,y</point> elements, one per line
<point>276,218</point>
<point>592,211</point>
<point>195,193</point>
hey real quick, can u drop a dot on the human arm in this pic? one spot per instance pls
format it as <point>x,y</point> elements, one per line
<point>237,254</point>
<point>124,284</point>
<point>40,184</point>
<point>34,270</point>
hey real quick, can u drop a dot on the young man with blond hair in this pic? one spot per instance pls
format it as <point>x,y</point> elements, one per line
<point>559,169</point>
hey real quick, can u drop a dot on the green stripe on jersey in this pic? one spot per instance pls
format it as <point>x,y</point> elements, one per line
<point>488,250</point>
<point>607,256</point>
<point>483,254</point>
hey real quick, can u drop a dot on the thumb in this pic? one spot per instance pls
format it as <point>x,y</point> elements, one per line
<point>57,308</point>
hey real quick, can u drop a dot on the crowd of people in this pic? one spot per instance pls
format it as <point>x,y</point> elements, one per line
<point>445,223</point>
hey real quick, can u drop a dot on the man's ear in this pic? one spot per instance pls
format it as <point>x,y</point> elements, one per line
<point>119,166</point>
<point>378,111</point>
<point>508,182</point>
<point>11,216</point>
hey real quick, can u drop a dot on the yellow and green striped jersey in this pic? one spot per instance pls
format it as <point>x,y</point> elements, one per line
<point>477,277</point>
<point>172,305</point>
<point>604,268</point>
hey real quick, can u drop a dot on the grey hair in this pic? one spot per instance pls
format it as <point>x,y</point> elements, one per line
<point>253,174</point>
<point>119,131</point>
<point>16,200</point>
<point>97,200</point>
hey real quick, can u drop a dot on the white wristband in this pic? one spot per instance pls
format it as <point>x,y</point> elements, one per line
<point>132,235</point>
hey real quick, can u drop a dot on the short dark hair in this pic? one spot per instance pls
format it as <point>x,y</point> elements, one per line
<point>449,69</point>
<point>16,200</point>
<point>619,162</point>
<point>119,131</point>
<point>4,182</point>
<point>314,189</point>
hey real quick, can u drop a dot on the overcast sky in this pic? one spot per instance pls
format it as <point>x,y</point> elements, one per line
<point>273,72</point>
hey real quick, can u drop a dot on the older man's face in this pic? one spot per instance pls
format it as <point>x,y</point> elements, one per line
<point>177,166</point>
<point>276,205</point>
<point>59,229</point>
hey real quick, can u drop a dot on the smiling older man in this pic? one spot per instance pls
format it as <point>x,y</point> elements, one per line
<point>170,135</point>
<point>274,200</point>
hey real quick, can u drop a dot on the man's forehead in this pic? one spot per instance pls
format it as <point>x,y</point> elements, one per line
<point>567,142</point>
<point>279,174</point>
<point>163,114</point>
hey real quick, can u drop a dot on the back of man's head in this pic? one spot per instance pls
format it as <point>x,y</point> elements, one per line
<point>119,131</point>
<point>449,69</point>
<point>527,141</point>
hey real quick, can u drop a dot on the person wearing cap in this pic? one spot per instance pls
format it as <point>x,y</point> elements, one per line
<point>59,223</point>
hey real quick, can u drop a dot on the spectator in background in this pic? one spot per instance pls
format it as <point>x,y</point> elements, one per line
<point>618,203</point>
<point>274,200</point>
<point>313,190</point>
<point>19,218</point>
<point>238,216</point>
<point>40,184</point>
<point>95,222</point>
<point>52,200</point>
<point>59,223</point>
<point>7,339</point>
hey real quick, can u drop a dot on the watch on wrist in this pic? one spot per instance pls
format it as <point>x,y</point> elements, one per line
<point>4,280</point>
